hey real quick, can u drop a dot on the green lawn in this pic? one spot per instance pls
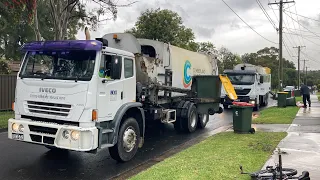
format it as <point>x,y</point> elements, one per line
<point>217,157</point>
<point>4,116</point>
<point>275,115</point>
<point>299,98</point>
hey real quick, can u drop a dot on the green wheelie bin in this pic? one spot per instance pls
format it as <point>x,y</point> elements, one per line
<point>282,99</point>
<point>242,117</point>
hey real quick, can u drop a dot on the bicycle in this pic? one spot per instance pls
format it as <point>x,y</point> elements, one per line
<point>277,173</point>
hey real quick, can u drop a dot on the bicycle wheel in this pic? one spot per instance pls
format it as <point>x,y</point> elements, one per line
<point>268,174</point>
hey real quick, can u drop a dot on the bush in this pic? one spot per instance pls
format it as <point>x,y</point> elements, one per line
<point>4,67</point>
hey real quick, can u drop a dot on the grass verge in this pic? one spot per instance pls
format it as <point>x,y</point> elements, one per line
<point>4,116</point>
<point>217,157</point>
<point>275,115</point>
<point>299,98</point>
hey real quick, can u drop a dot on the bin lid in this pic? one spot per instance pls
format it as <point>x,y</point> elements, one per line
<point>243,104</point>
<point>228,87</point>
<point>283,93</point>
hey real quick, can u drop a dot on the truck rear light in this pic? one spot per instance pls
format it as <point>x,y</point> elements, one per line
<point>12,106</point>
<point>94,115</point>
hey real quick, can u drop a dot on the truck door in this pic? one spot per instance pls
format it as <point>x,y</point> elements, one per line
<point>110,89</point>
<point>129,83</point>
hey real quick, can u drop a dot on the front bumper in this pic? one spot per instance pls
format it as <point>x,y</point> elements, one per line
<point>52,134</point>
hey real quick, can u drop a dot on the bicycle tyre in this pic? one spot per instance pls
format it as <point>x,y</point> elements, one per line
<point>269,173</point>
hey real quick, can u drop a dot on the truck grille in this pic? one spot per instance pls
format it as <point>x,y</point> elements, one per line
<point>45,130</point>
<point>242,91</point>
<point>49,108</point>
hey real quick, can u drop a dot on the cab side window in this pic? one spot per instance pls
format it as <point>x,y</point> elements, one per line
<point>107,66</point>
<point>128,68</point>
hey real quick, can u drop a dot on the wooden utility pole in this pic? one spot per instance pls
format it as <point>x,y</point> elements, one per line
<point>280,39</point>
<point>304,70</point>
<point>306,82</point>
<point>299,50</point>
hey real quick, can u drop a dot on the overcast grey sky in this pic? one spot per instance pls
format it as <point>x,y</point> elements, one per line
<point>212,20</point>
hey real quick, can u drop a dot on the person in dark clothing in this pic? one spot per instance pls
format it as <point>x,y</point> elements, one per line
<point>305,91</point>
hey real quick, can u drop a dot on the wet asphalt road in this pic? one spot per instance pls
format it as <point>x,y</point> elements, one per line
<point>22,161</point>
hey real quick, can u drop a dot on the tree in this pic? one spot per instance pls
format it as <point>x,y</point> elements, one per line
<point>166,26</point>
<point>206,46</point>
<point>228,59</point>
<point>4,67</point>
<point>65,12</point>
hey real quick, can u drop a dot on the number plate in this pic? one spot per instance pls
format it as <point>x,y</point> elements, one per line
<point>17,136</point>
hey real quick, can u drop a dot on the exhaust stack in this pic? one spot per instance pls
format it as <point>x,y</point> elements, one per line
<point>87,33</point>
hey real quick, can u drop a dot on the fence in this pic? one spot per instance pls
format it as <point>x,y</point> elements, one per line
<point>7,91</point>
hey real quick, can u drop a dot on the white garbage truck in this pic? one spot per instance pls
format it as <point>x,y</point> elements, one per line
<point>84,95</point>
<point>252,84</point>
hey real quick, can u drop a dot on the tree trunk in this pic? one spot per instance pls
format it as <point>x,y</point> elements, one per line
<point>36,22</point>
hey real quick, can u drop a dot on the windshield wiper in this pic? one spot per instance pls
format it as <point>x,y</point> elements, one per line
<point>45,76</point>
<point>77,77</point>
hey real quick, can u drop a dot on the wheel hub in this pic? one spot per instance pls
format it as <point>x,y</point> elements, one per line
<point>204,118</point>
<point>193,119</point>
<point>129,139</point>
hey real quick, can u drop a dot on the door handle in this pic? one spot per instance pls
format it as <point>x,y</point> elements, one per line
<point>121,94</point>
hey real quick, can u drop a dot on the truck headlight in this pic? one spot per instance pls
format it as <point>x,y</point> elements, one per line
<point>75,135</point>
<point>65,134</point>
<point>21,128</point>
<point>15,127</point>
<point>252,102</point>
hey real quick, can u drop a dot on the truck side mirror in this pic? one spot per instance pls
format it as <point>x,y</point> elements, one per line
<point>116,67</point>
<point>261,79</point>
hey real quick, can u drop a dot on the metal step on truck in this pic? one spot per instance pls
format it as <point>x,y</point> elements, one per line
<point>84,95</point>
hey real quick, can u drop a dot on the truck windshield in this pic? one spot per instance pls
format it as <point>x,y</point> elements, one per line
<point>66,65</point>
<point>241,79</point>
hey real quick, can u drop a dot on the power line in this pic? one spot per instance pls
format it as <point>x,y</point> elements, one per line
<point>306,39</point>
<point>306,35</point>
<point>295,7</point>
<point>302,16</point>
<point>297,29</point>
<point>266,14</point>
<point>247,23</point>
<point>309,57</point>
<point>302,25</point>
<point>288,50</point>
<point>293,39</point>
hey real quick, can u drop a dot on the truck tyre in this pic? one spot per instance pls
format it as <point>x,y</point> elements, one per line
<point>178,123</point>
<point>256,107</point>
<point>203,120</point>
<point>190,122</point>
<point>266,102</point>
<point>127,141</point>
<point>225,106</point>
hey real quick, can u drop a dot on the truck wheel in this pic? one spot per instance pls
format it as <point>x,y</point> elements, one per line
<point>266,101</point>
<point>128,141</point>
<point>256,107</point>
<point>189,123</point>
<point>225,106</point>
<point>203,120</point>
<point>178,123</point>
